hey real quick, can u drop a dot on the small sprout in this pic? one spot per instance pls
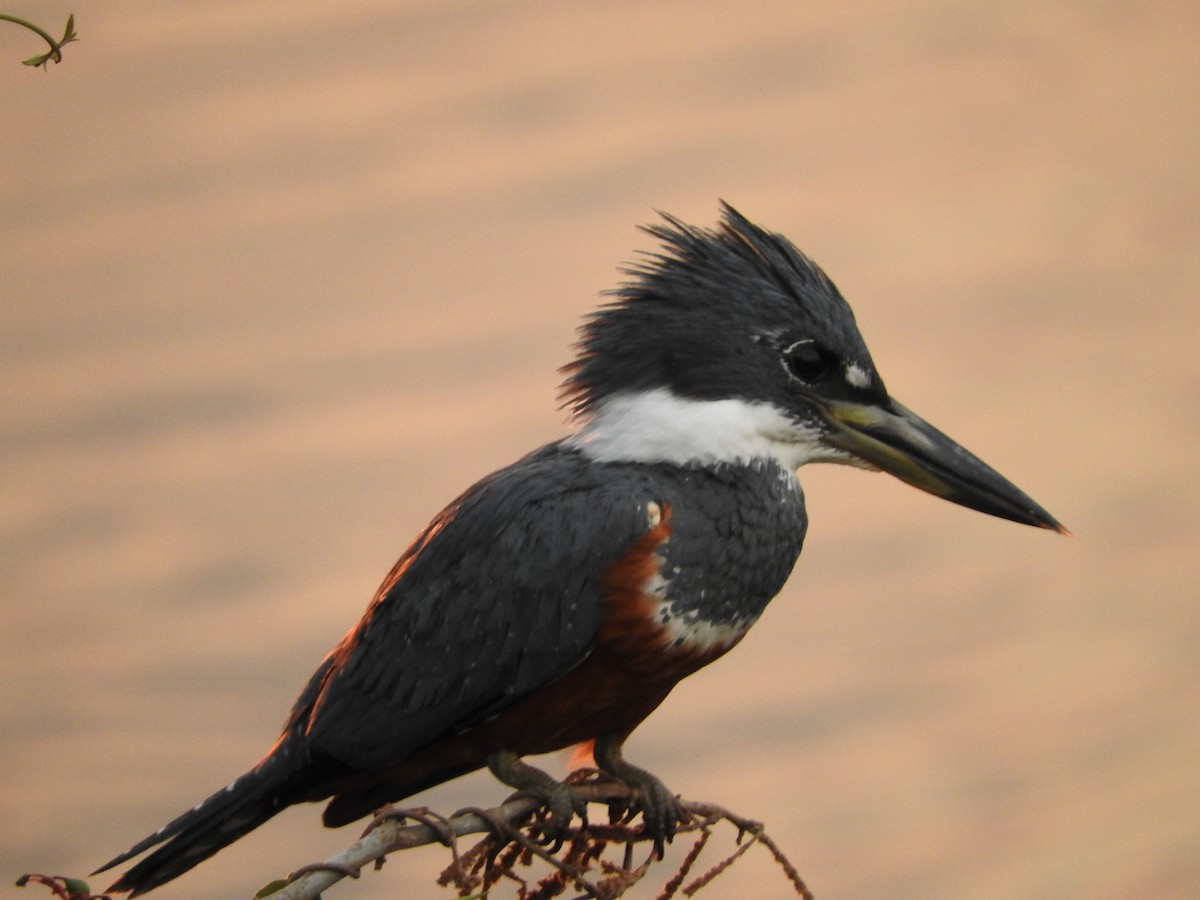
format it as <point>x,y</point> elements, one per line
<point>54,54</point>
<point>64,888</point>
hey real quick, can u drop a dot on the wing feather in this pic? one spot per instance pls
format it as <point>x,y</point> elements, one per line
<point>500,594</point>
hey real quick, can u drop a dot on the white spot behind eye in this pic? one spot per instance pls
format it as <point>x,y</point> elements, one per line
<point>856,376</point>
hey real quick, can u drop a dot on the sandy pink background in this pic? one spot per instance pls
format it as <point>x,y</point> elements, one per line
<point>280,278</point>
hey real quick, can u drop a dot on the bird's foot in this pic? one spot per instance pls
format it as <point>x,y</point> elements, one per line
<point>661,810</point>
<point>562,801</point>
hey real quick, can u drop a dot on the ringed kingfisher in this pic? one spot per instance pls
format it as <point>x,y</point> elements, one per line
<point>559,600</point>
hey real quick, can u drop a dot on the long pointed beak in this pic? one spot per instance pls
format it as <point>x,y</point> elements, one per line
<point>898,441</point>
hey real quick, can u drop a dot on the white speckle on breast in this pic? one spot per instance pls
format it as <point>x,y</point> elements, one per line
<point>687,629</point>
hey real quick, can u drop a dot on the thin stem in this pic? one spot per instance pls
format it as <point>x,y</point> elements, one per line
<point>55,46</point>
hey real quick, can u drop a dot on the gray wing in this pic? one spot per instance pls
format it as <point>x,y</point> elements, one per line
<point>499,595</point>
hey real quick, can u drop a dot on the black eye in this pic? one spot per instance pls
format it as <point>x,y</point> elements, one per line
<point>807,361</point>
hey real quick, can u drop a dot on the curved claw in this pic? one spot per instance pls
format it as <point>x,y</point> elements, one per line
<point>562,801</point>
<point>661,811</point>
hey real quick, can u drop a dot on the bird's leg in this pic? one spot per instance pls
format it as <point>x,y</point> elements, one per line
<point>559,798</point>
<point>661,812</point>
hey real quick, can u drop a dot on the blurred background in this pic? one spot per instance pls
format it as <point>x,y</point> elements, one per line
<point>280,279</point>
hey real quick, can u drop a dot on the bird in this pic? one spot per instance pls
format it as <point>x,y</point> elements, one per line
<point>559,600</point>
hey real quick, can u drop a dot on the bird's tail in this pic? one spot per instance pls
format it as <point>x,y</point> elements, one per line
<point>231,812</point>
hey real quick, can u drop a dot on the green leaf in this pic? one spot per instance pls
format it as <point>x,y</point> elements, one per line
<point>270,888</point>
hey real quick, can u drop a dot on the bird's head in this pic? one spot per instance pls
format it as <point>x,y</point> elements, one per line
<point>728,345</point>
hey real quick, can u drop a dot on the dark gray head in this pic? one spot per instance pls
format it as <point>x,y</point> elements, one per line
<point>732,312</point>
<point>730,345</point>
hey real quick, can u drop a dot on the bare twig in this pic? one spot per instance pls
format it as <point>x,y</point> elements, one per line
<point>515,830</point>
<point>391,835</point>
<point>516,835</point>
<point>672,886</point>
